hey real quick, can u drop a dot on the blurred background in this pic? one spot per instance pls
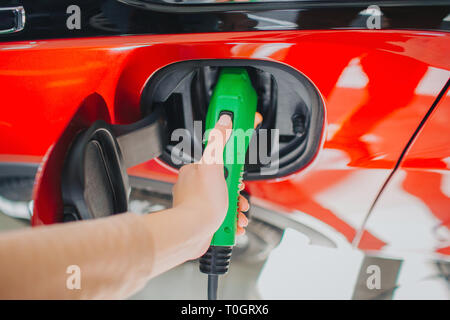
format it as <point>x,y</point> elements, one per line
<point>280,257</point>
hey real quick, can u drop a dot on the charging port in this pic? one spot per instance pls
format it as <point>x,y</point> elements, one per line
<point>290,105</point>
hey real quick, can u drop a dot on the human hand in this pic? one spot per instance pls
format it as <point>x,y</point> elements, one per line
<point>201,186</point>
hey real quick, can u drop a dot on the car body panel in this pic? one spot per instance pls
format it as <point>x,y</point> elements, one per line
<point>413,211</point>
<point>376,85</point>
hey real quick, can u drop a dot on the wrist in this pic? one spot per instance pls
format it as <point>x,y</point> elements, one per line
<point>204,220</point>
<point>174,238</point>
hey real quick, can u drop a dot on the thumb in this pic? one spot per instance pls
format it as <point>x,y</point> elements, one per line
<point>217,138</point>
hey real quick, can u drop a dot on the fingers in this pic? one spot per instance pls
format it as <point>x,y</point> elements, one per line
<point>217,138</point>
<point>258,119</point>
<point>243,204</point>
<point>242,220</point>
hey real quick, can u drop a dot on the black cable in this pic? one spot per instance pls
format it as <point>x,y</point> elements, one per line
<point>213,282</point>
<point>214,263</point>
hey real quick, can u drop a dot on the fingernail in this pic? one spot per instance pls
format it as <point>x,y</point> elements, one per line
<point>258,119</point>
<point>243,222</point>
<point>224,120</point>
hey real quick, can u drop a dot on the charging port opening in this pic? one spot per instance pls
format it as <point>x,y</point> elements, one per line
<point>291,107</point>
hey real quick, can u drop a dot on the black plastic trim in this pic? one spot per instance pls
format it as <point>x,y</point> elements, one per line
<point>18,169</point>
<point>271,5</point>
<point>48,19</point>
<point>73,179</point>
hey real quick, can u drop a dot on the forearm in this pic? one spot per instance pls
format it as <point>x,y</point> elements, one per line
<point>116,255</point>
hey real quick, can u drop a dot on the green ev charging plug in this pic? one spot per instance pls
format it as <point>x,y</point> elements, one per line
<point>233,95</point>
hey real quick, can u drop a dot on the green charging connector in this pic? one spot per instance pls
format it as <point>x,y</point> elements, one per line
<point>233,95</point>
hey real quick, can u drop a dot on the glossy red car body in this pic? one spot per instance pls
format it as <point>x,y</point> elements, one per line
<point>377,88</point>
